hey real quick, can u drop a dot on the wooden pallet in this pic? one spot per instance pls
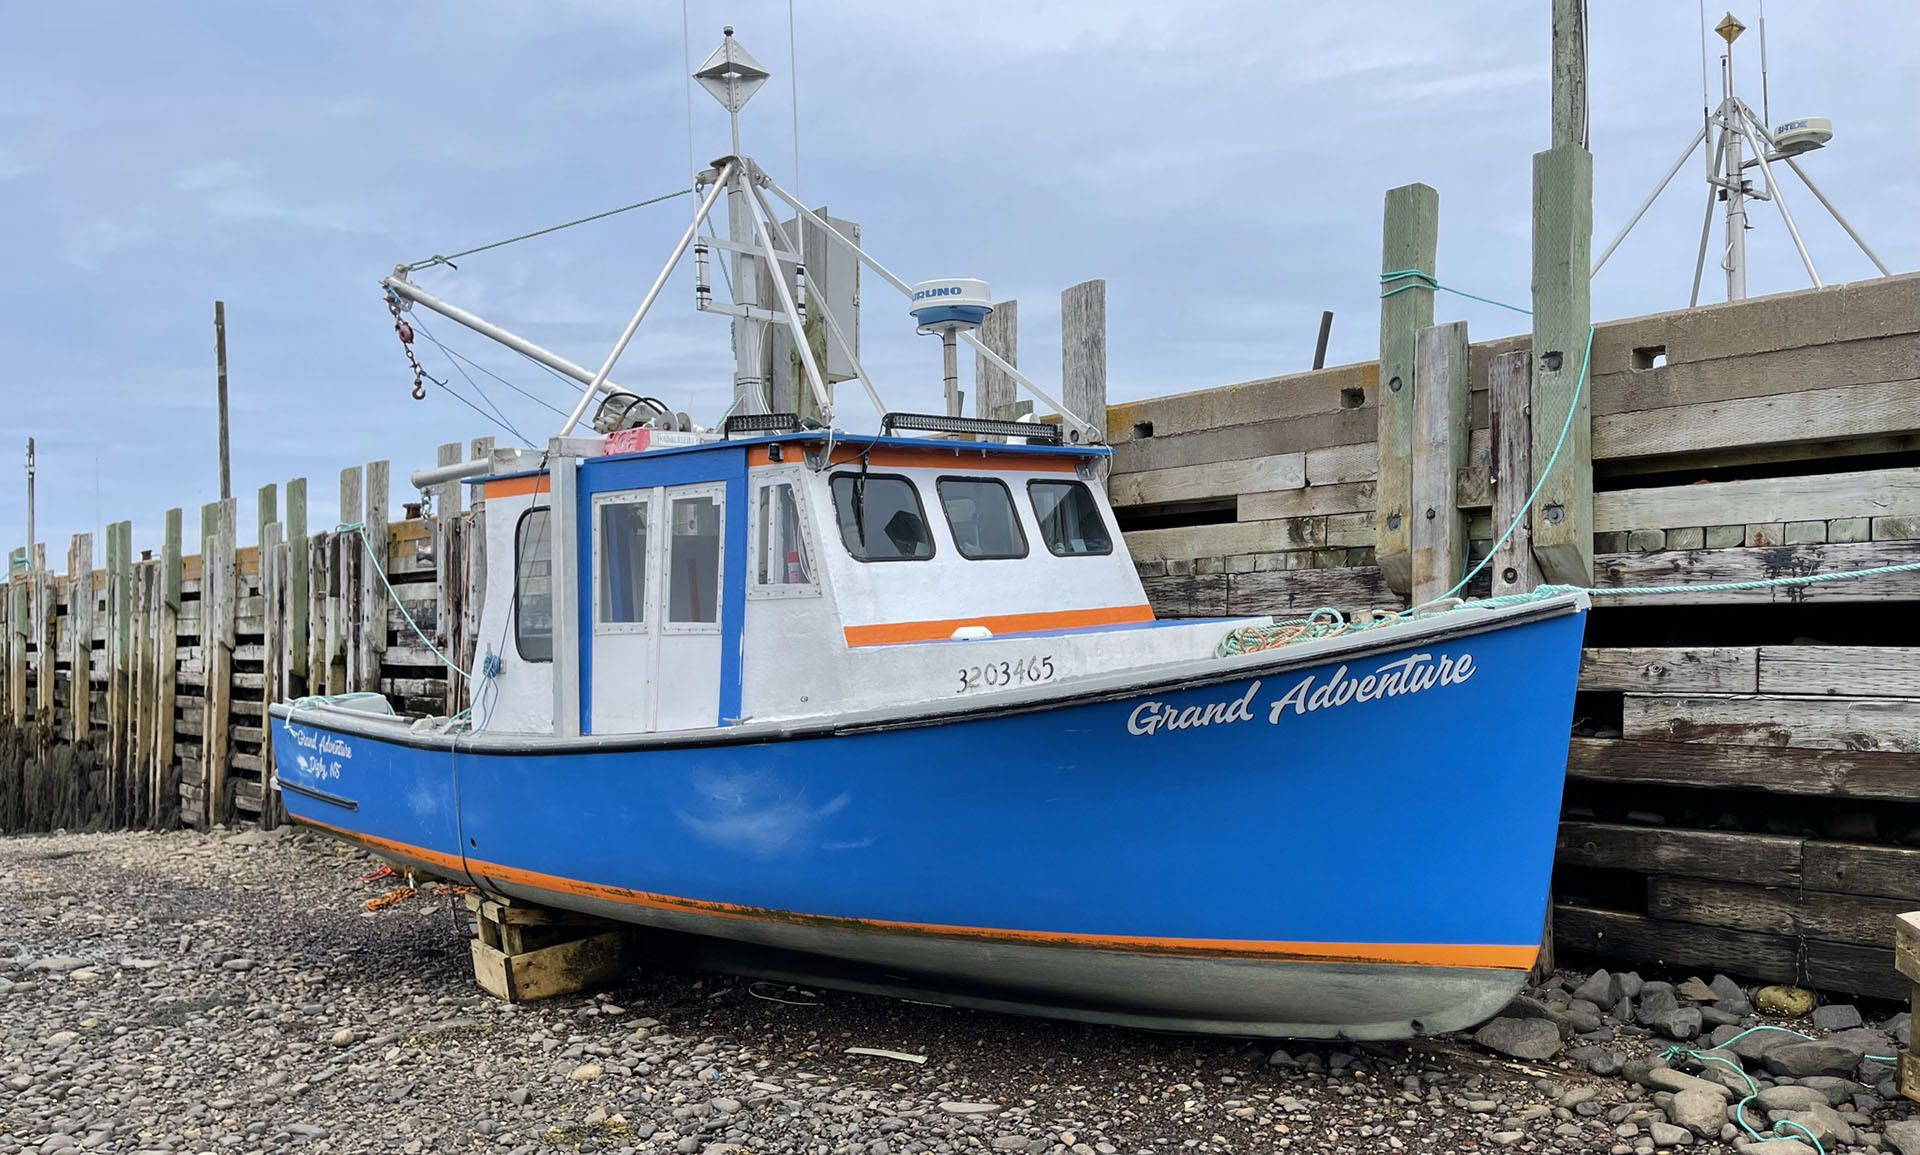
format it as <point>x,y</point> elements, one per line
<point>525,952</point>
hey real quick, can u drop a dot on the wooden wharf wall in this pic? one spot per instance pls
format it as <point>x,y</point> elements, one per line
<point>134,695</point>
<point>1744,782</point>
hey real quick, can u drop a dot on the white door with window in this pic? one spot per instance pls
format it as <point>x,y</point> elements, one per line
<point>657,558</point>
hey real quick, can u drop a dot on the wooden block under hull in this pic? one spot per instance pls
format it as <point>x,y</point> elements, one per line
<point>563,968</point>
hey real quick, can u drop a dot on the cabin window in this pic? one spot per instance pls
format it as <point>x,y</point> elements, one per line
<point>880,517</point>
<point>980,513</point>
<point>1070,521</point>
<point>693,560</point>
<point>533,586</point>
<point>783,559</point>
<point>622,548</point>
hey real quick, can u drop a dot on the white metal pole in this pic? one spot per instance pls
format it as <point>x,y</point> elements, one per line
<point>1762,141</point>
<point>950,366</point>
<point>1706,220</point>
<point>969,337</point>
<point>799,331</point>
<point>1698,139</point>
<point>599,381</point>
<point>1828,205</point>
<point>1736,258</point>
<point>31,552</point>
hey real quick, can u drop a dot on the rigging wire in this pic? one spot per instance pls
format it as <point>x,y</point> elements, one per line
<point>499,417</point>
<point>535,398</point>
<point>793,79</point>
<point>686,59</point>
<point>438,259</point>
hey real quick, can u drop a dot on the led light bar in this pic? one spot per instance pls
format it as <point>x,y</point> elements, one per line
<point>982,426</point>
<point>761,423</point>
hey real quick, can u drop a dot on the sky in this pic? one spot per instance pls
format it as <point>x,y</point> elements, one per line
<point>1222,165</point>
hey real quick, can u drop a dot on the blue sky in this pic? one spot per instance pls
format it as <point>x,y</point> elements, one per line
<point>1222,165</point>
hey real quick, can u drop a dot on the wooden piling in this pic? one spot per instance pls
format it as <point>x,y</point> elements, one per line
<point>119,663</point>
<point>164,789</point>
<point>1410,235</point>
<point>374,602</point>
<point>1439,534</point>
<point>993,390</point>
<point>1083,355</point>
<point>140,695</point>
<point>273,612</point>
<point>448,544</point>
<point>1509,395</point>
<point>79,634</point>
<point>19,625</point>
<point>342,588</point>
<point>219,580</point>
<point>295,657</point>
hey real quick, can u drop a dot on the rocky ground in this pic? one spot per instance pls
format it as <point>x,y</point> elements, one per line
<point>185,992</point>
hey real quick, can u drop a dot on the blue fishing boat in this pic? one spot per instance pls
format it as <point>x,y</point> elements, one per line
<point>890,712</point>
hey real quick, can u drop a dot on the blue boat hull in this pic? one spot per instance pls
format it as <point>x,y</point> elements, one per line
<point>1357,847</point>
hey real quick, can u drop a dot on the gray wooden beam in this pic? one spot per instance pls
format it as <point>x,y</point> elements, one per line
<point>1438,539</point>
<point>1410,234</point>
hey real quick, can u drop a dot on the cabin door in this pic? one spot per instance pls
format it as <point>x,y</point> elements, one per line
<point>657,562</point>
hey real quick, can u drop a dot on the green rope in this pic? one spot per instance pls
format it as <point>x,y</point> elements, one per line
<point>1416,279</point>
<point>1753,1089</point>
<point>360,527</point>
<point>437,259</point>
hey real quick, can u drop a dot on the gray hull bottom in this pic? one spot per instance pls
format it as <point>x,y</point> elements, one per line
<point>1200,994</point>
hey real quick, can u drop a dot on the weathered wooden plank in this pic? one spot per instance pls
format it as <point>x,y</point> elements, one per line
<point>273,585</point>
<point>1749,372</point>
<point>1341,428</point>
<point>1562,514</point>
<point>1437,539</point>
<point>993,390</point>
<point>1292,396</point>
<point>1786,770</point>
<point>1867,493</point>
<point>1818,723</point>
<point>1228,538</point>
<point>218,602</point>
<point>1814,415</point>
<point>80,619</point>
<point>19,630</point>
<point>1859,671</point>
<point>1410,234</point>
<point>561,969</point>
<point>1294,592</point>
<point>1764,859</point>
<point>1510,471</point>
<point>1308,501</point>
<point>1750,563</point>
<point>372,638</point>
<point>1616,934</point>
<point>1774,910</point>
<point>1660,669</point>
<point>1083,353</point>
<point>1223,479</point>
<point>297,597</point>
<point>1861,868</point>
<point>1851,968</point>
<point>1337,464</point>
<point>119,668</point>
<point>1906,945</point>
<point>162,787</point>
<point>343,591</point>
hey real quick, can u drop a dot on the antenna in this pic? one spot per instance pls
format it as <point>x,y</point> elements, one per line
<point>732,76</point>
<point>1727,133</point>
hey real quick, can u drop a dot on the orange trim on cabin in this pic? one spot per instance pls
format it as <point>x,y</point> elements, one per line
<point>941,629</point>
<point>961,455</point>
<point>1471,955</point>
<point>515,486</point>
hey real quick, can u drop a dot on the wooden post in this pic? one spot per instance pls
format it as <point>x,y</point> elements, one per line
<point>1083,355</point>
<point>993,390</point>
<point>266,512</point>
<point>1562,319</point>
<point>295,656</point>
<point>80,609</point>
<point>1906,960</point>
<point>273,612</point>
<point>1509,393</point>
<point>220,374</point>
<point>218,601</point>
<point>342,590</point>
<point>1410,235</point>
<point>474,574</point>
<point>19,625</point>
<point>374,601</point>
<point>447,550</point>
<point>46,630</point>
<point>1439,537</point>
<point>166,662</point>
<point>140,696</point>
<point>119,655</point>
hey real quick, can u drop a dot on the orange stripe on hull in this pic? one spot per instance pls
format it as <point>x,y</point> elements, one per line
<point>1470,955</point>
<point>942,628</point>
<point>515,486</point>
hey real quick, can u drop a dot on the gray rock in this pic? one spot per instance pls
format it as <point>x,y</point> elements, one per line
<point>1711,1015</point>
<point>57,964</point>
<point>1665,1134</point>
<point>1839,1092</point>
<point>1728,995</point>
<point>1599,989</point>
<point>1526,1007</point>
<point>1799,1060</point>
<point>1630,984</point>
<point>1701,1112</point>
<point>1676,1022</point>
<point>1697,991</point>
<point>1836,1017</point>
<point>1822,1121</point>
<point>1772,1147</point>
<point>1789,1098</point>
<point>1656,999</point>
<point>1521,1038</point>
<point>1904,1136</point>
<point>1597,1060</point>
<point>1756,1043</point>
<point>343,1037</point>
<point>957,1107</point>
<point>1668,1079</point>
<point>1583,1017</point>
<point>1900,1027</point>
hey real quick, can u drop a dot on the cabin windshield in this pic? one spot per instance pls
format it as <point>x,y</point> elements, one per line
<point>980,514</point>
<point>533,586</point>
<point>880,517</point>
<point>1070,521</point>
